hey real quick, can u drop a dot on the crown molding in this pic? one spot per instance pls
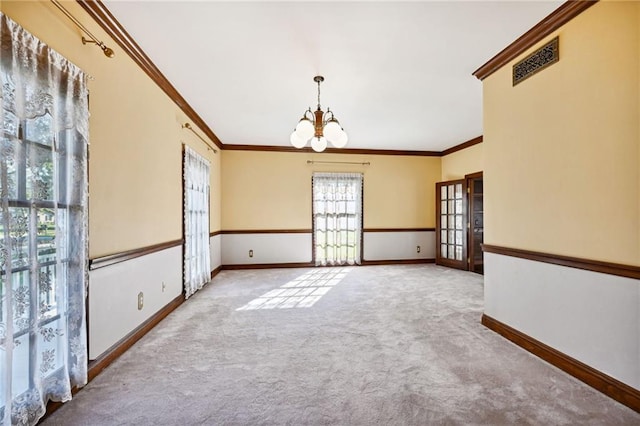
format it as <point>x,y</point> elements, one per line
<point>566,12</point>
<point>103,17</point>
<point>463,145</point>
<point>308,150</point>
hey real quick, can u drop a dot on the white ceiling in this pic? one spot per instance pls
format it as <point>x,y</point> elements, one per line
<point>397,74</point>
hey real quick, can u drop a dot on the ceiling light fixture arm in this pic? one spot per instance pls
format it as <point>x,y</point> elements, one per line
<point>319,127</point>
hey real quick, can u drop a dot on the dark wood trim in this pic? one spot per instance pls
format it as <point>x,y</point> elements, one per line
<point>399,230</point>
<point>463,145</point>
<point>609,386</point>
<point>628,271</point>
<point>113,353</point>
<point>216,271</point>
<point>474,247</point>
<point>214,233</point>
<point>105,19</point>
<point>103,361</point>
<point>475,175</point>
<point>268,265</point>
<point>566,12</point>
<point>99,12</point>
<point>396,262</point>
<point>112,259</point>
<point>308,150</point>
<point>266,231</point>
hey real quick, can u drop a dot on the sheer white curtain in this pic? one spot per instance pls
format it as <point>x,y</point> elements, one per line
<point>197,263</point>
<point>337,218</point>
<point>43,226</point>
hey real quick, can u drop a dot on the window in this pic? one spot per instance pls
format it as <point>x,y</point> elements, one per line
<point>337,218</point>
<point>43,245</point>
<point>197,263</point>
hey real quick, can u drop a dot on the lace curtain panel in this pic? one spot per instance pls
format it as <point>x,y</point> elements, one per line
<point>337,218</point>
<point>197,261</point>
<point>43,226</point>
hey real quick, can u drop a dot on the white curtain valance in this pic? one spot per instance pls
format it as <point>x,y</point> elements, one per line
<point>41,80</point>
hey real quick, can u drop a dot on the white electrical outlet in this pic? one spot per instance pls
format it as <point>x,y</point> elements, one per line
<point>418,249</point>
<point>164,286</point>
<point>250,253</point>
<point>140,301</point>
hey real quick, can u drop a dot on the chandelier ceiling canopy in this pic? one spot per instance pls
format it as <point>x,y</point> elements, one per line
<point>319,127</point>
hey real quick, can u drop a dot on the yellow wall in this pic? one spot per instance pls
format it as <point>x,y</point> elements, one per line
<point>272,190</point>
<point>561,148</point>
<point>461,163</point>
<point>135,138</point>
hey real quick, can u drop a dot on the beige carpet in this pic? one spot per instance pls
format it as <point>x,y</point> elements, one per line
<point>387,345</point>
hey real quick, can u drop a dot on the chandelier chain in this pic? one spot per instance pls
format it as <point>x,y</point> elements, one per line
<point>319,94</point>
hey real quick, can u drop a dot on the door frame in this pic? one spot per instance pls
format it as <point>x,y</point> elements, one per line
<point>470,204</point>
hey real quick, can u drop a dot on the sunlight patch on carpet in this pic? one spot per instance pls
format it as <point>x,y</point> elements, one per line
<point>301,292</point>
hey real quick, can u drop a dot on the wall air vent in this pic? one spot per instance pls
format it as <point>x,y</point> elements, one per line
<point>536,62</point>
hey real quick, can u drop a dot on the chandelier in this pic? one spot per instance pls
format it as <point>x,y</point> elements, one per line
<point>319,127</point>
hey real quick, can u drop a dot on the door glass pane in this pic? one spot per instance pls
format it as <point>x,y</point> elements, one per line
<point>458,252</point>
<point>443,222</point>
<point>443,236</point>
<point>443,250</point>
<point>451,207</point>
<point>459,221</point>
<point>443,192</point>
<point>451,221</point>
<point>443,207</point>
<point>451,194</point>
<point>458,190</point>
<point>452,254</point>
<point>451,237</point>
<point>459,238</point>
<point>458,206</point>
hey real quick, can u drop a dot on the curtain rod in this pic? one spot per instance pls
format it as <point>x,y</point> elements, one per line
<point>366,163</point>
<point>108,52</point>
<point>188,126</point>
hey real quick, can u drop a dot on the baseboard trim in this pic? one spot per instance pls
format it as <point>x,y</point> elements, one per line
<point>114,352</point>
<point>609,386</point>
<point>103,361</point>
<point>268,265</point>
<point>216,271</point>
<point>396,262</point>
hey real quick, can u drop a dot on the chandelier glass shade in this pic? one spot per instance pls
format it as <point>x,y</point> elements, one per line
<point>319,127</point>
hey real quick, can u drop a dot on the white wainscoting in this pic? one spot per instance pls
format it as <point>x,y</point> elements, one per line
<point>113,295</point>
<point>215,251</point>
<point>590,316</point>
<point>399,245</point>
<point>267,248</point>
